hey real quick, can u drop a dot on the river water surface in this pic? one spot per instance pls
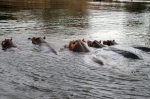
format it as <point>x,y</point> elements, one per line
<point>30,74</point>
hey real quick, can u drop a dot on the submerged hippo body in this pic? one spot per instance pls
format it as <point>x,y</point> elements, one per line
<point>126,54</point>
<point>78,46</point>
<point>42,44</point>
<point>8,44</point>
<point>146,49</point>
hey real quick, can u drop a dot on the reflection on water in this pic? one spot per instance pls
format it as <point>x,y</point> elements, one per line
<point>136,7</point>
<point>43,4</point>
<point>7,17</point>
<point>29,74</point>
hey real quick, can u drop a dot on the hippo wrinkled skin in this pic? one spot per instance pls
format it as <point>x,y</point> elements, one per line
<point>42,43</point>
<point>7,44</point>
<point>78,46</point>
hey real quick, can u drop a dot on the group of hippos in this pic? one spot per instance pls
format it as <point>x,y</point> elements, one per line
<point>74,45</point>
<point>77,46</point>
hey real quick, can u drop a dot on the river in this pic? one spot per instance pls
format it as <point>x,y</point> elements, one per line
<point>30,74</point>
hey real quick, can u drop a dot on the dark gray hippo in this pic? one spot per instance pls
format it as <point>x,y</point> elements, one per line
<point>126,54</point>
<point>7,44</point>
<point>95,44</point>
<point>81,46</point>
<point>146,49</point>
<point>78,46</point>
<point>42,44</point>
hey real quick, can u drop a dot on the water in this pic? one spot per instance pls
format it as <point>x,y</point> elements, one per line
<point>29,74</point>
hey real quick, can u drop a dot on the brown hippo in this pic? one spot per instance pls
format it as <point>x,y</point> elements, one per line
<point>7,43</point>
<point>109,42</point>
<point>95,44</point>
<point>42,44</point>
<point>37,40</point>
<point>78,46</point>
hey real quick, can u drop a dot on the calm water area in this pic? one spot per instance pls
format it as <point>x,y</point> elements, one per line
<point>30,74</point>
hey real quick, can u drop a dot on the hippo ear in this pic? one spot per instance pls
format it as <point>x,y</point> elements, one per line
<point>44,37</point>
<point>11,39</point>
<point>113,40</point>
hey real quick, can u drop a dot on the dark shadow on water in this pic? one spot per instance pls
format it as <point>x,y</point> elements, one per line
<point>58,12</point>
<point>7,17</point>
<point>136,7</point>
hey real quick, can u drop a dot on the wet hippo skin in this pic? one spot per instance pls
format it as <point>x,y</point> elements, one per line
<point>126,54</point>
<point>41,42</point>
<point>109,42</point>
<point>78,46</point>
<point>95,44</point>
<point>37,40</point>
<point>146,49</point>
<point>8,43</point>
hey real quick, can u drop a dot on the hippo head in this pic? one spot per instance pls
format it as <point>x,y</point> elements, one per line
<point>78,46</point>
<point>90,43</point>
<point>95,43</point>
<point>109,42</point>
<point>72,44</point>
<point>7,43</point>
<point>105,42</point>
<point>37,40</point>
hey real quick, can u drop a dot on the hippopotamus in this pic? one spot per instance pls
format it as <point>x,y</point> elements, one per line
<point>95,44</point>
<point>146,49</point>
<point>42,43</point>
<point>78,46</point>
<point>126,54</point>
<point>7,44</point>
<point>109,42</point>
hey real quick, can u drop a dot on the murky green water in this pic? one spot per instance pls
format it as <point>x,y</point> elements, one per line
<point>29,74</point>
